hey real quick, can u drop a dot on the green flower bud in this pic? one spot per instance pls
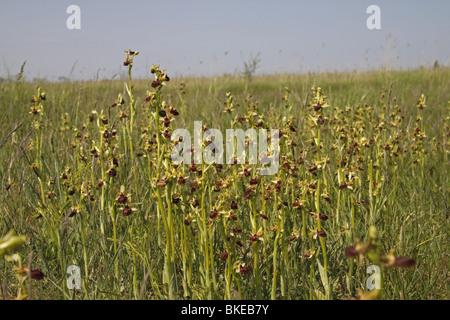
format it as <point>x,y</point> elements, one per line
<point>11,243</point>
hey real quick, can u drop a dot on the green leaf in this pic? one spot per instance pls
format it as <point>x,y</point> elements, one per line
<point>324,278</point>
<point>11,243</point>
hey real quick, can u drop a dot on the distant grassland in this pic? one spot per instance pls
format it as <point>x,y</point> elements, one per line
<point>204,95</point>
<point>87,178</point>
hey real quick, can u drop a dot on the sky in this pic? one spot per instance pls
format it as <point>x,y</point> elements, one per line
<point>212,38</point>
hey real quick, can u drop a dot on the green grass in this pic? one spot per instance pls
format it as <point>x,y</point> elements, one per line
<point>154,254</point>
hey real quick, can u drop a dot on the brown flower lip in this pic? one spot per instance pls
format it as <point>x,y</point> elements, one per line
<point>350,252</point>
<point>278,185</point>
<point>127,211</point>
<point>224,256</point>
<point>403,262</point>
<point>161,183</point>
<point>244,270</point>
<point>99,185</point>
<point>37,274</point>
<point>176,198</point>
<point>112,173</point>
<point>237,230</point>
<point>320,120</point>
<point>166,134</point>
<point>122,199</point>
<point>72,213</point>
<point>213,214</point>
<point>321,233</point>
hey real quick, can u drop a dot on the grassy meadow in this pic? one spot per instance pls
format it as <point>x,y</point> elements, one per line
<point>86,179</point>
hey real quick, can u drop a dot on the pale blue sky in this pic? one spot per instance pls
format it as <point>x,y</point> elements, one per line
<point>207,38</point>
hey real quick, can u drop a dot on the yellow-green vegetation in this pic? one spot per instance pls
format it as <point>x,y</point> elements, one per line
<point>86,178</point>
